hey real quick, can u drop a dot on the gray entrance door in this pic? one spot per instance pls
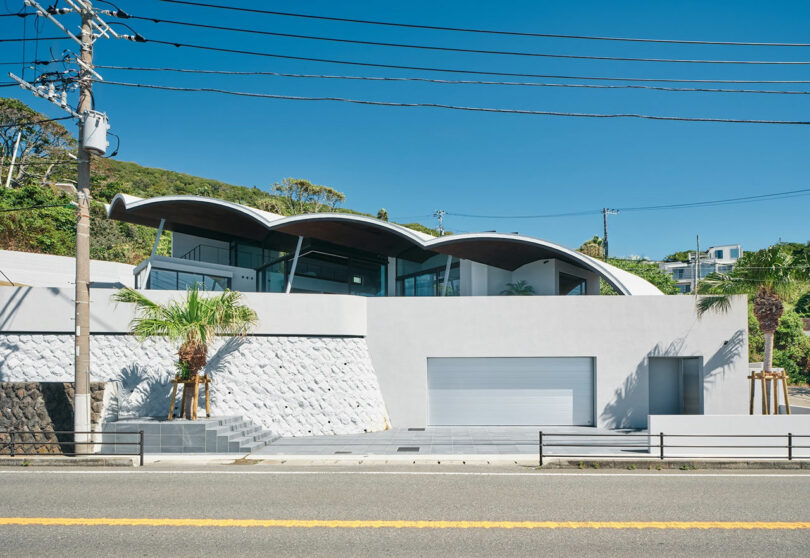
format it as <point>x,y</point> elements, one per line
<point>675,386</point>
<point>510,391</point>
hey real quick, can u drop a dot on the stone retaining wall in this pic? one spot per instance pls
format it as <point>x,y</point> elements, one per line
<point>44,408</point>
<point>289,385</point>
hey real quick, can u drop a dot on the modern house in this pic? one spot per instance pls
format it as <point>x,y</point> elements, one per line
<point>225,245</point>
<point>365,324</point>
<point>717,259</point>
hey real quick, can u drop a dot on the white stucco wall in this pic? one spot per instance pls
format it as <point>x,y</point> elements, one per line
<point>764,431</point>
<point>45,270</point>
<point>620,332</point>
<point>291,386</point>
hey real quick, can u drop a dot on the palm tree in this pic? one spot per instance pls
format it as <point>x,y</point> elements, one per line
<point>518,288</point>
<point>773,276</point>
<point>194,322</point>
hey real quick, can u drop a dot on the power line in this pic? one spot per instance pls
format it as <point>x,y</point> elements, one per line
<point>33,123</point>
<point>451,82</point>
<point>449,70</point>
<point>468,50</point>
<point>26,39</point>
<point>707,203</point>
<point>486,31</point>
<point>451,107</point>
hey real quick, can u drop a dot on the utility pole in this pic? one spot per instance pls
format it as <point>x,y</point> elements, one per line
<point>439,214</point>
<point>697,264</point>
<point>605,213</point>
<point>92,140</point>
<point>81,400</point>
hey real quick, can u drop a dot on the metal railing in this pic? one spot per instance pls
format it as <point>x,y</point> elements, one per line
<point>655,445</point>
<point>25,443</point>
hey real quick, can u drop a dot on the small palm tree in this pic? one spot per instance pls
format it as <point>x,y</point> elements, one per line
<point>772,276</point>
<point>518,288</point>
<point>194,322</point>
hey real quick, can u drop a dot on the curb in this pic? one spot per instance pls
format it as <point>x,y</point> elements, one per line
<point>61,461</point>
<point>682,464</point>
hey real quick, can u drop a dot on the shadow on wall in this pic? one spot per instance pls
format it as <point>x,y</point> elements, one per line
<point>59,407</point>
<point>146,392</point>
<point>630,404</point>
<point>12,305</point>
<point>718,365</point>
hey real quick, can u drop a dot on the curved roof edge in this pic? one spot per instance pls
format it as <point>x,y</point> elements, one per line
<point>622,281</point>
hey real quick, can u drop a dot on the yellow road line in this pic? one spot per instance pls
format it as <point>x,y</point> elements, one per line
<point>400,524</point>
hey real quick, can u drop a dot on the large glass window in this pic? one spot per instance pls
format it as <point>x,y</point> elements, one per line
<point>735,253</point>
<point>572,285</point>
<point>332,271</point>
<point>167,279</point>
<point>427,278</point>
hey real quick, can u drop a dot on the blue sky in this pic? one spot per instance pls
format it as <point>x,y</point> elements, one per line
<point>415,160</point>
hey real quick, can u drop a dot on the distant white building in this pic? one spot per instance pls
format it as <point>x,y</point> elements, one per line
<point>717,259</point>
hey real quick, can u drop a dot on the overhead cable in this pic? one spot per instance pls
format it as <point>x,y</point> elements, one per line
<point>470,50</point>
<point>26,39</point>
<point>33,123</point>
<point>448,81</point>
<point>486,31</point>
<point>707,203</point>
<point>444,70</point>
<point>451,107</point>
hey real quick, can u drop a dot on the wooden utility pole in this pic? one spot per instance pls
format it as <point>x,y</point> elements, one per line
<point>81,400</point>
<point>605,213</point>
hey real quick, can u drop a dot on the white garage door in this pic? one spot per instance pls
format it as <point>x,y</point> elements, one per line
<point>510,391</point>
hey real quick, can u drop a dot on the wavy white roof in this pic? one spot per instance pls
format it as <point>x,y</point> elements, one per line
<point>508,251</point>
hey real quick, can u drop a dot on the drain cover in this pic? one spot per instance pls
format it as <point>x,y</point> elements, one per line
<point>408,449</point>
<point>337,452</point>
<point>416,430</point>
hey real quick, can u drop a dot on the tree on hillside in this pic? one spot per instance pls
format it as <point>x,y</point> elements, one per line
<point>773,276</point>
<point>593,248</point>
<point>382,214</point>
<point>302,196</point>
<point>682,256</point>
<point>43,149</point>
<point>647,271</point>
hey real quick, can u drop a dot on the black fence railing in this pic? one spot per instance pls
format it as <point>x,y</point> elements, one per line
<point>651,445</point>
<point>15,443</point>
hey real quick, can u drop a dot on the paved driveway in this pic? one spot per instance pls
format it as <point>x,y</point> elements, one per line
<point>458,440</point>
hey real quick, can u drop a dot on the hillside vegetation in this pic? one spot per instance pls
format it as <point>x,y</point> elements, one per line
<point>51,230</point>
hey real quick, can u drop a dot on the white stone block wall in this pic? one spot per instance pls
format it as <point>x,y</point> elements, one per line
<point>291,386</point>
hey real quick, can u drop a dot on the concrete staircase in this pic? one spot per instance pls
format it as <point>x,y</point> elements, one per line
<point>226,434</point>
<point>234,434</point>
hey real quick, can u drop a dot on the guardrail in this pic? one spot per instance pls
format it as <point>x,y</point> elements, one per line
<point>24,442</point>
<point>655,445</point>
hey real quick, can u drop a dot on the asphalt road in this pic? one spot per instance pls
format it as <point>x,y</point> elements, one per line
<point>693,498</point>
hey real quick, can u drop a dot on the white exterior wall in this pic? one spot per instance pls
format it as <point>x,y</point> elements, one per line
<point>46,270</point>
<point>543,275</point>
<point>773,429</point>
<point>620,332</point>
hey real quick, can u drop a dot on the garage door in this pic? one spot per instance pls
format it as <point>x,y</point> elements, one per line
<point>510,391</point>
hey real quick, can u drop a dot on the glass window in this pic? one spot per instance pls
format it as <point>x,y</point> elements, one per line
<point>168,280</point>
<point>572,285</point>
<point>735,253</point>
<point>718,254</point>
<point>163,280</point>
<point>427,278</point>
